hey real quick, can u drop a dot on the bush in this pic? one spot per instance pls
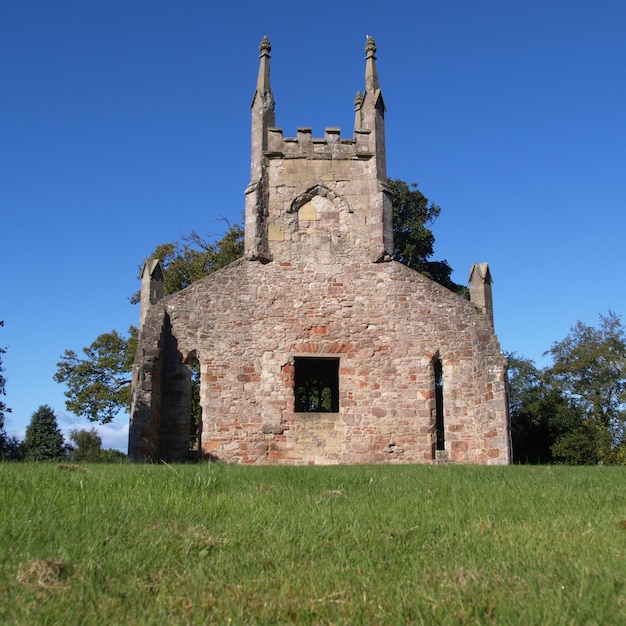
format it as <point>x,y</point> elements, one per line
<point>12,449</point>
<point>89,448</point>
<point>111,455</point>
<point>89,445</point>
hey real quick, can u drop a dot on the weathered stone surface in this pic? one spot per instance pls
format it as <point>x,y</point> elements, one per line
<point>317,281</point>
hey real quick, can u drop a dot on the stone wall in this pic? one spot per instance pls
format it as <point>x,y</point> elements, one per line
<point>384,322</point>
<point>325,200</point>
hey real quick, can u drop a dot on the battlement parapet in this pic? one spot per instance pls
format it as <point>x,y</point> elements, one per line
<point>331,146</point>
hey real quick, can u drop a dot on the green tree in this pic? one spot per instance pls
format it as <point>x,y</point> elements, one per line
<point>573,411</point>
<point>13,449</point>
<point>98,384</point>
<point>88,448</point>
<point>540,415</point>
<point>3,407</point>
<point>584,445</point>
<point>44,440</point>
<point>88,445</point>
<point>589,369</point>
<point>413,241</point>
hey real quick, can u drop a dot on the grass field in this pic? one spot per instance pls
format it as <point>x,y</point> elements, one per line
<point>198,544</point>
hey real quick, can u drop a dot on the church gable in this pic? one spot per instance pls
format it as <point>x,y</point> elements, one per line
<point>317,347</point>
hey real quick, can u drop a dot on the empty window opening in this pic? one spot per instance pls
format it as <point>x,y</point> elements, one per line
<point>195,421</point>
<point>316,385</point>
<point>439,426</point>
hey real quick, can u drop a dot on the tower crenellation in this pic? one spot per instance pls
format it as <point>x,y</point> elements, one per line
<point>344,172</point>
<point>331,146</point>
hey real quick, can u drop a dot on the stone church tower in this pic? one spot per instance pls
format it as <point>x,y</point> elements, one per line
<point>317,347</point>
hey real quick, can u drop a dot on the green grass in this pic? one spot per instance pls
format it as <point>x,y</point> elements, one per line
<point>198,544</point>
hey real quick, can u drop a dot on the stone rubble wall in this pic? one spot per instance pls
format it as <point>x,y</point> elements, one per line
<point>325,199</point>
<point>386,323</point>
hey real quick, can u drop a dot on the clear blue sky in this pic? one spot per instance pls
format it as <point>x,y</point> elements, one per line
<point>125,124</point>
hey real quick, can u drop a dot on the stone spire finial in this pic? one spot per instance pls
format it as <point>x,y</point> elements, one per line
<point>265,46</point>
<point>371,75</point>
<point>263,81</point>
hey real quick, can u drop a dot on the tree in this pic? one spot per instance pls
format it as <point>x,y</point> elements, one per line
<point>574,411</point>
<point>112,455</point>
<point>540,415</point>
<point>13,449</point>
<point>89,448</point>
<point>88,445</point>
<point>5,442</point>
<point>98,385</point>
<point>413,241</point>
<point>583,445</point>
<point>590,370</point>
<point>43,440</point>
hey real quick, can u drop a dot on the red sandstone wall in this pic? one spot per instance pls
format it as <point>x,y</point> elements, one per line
<point>385,322</point>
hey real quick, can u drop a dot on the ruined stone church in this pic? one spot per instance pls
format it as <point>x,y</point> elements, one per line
<point>317,347</point>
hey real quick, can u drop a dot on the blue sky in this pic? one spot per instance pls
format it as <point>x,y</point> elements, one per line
<point>125,124</point>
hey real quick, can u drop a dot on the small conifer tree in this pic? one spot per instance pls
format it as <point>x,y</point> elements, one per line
<point>44,440</point>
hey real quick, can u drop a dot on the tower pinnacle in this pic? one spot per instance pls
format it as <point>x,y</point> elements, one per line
<point>372,108</point>
<point>263,118</point>
<point>371,75</point>
<point>263,89</point>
